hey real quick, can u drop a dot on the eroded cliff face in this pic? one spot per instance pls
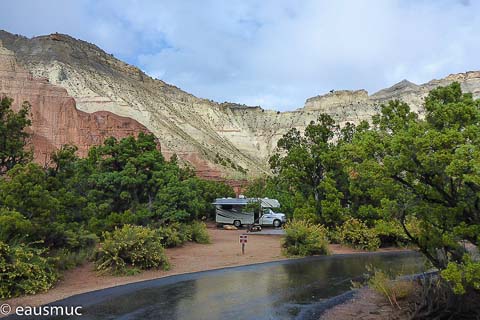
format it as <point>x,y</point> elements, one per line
<point>197,130</point>
<point>55,119</point>
<point>218,139</point>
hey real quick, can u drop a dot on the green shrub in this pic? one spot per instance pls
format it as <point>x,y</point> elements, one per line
<point>184,231</point>
<point>333,235</point>
<point>356,234</point>
<point>66,259</point>
<point>130,247</point>
<point>79,239</point>
<point>306,213</point>
<point>14,226</point>
<point>139,216</point>
<point>169,236</point>
<point>303,238</point>
<point>199,232</point>
<point>391,233</point>
<point>464,275</point>
<point>24,270</point>
<point>174,235</point>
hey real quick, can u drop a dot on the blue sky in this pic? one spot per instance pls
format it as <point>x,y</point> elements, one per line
<point>270,53</point>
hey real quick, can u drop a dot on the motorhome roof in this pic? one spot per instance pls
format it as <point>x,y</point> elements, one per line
<point>265,202</point>
<point>232,201</point>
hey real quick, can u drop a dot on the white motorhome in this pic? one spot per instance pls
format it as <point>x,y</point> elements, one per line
<point>235,211</point>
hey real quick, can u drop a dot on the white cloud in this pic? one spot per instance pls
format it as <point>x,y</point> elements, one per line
<point>273,53</point>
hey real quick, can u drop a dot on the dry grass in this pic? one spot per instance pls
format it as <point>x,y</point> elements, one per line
<point>393,290</point>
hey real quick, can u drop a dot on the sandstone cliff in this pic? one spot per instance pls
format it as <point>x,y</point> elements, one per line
<point>55,118</point>
<point>218,139</point>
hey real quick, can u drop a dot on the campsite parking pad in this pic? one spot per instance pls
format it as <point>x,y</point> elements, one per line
<point>269,232</point>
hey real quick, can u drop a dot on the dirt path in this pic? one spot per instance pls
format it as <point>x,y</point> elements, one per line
<point>224,251</point>
<point>366,305</point>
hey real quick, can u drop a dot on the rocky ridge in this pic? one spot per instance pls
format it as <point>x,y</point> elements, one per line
<point>218,139</point>
<point>55,119</point>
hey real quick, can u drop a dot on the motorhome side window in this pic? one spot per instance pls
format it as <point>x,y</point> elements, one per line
<point>231,207</point>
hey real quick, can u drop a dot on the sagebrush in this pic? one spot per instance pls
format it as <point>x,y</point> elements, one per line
<point>24,269</point>
<point>356,234</point>
<point>303,238</point>
<point>130,247</point>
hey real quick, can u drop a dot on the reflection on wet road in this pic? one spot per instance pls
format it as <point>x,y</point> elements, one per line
<point>279,290</point>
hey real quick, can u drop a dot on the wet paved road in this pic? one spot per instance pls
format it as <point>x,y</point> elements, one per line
<point>292,289</point>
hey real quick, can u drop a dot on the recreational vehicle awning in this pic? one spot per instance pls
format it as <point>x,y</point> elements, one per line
<point>232,201</point>
<point>265,202</point>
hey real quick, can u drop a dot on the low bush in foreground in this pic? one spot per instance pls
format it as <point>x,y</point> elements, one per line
<point>356,234</point>
<point>174,235</point>
<point>199,232</point>
<point>66,259</point>
<point>129,248</point>
<point>24,270</point>
<point>464,275</point>
<point>305,239</point>
<point>393,290</point>
<point>437,300</point>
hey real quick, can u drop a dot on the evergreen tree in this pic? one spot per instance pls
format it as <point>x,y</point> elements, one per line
<point>13,137</point>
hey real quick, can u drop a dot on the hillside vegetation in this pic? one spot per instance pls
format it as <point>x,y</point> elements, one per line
<point>397,180</point>
<point>120,205</point>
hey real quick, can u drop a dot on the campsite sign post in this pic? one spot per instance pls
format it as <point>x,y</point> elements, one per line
<point>243,240</point>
